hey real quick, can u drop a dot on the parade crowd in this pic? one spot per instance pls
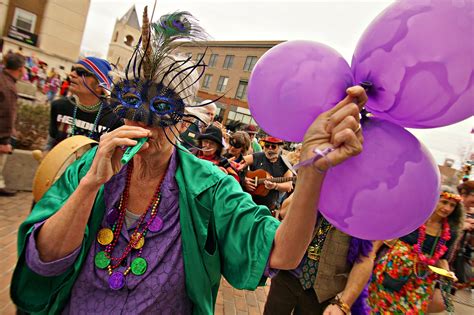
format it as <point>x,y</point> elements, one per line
<point>199,201</point>
<point>46,79</point>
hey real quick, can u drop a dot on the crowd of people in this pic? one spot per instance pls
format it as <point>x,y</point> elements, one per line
<point>400,280</point>
<point>198,202</point>
<point>46,79</point>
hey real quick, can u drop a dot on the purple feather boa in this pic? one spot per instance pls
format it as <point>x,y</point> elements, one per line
<point>357,249</point>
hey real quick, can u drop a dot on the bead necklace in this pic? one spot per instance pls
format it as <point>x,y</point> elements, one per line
<point>96,120</point>
<point>88,109</point>
<point>109,237</point>
<point>440,250</point>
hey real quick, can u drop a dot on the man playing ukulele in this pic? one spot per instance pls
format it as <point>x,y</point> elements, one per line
<point>272,162</point>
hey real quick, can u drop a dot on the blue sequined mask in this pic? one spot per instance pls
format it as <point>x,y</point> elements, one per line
<point>148,102</point>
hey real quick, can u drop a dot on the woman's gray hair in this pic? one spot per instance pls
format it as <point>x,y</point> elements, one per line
<point>183,79</point>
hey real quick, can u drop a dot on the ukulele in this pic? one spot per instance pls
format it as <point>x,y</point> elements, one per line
<point>259,176</point>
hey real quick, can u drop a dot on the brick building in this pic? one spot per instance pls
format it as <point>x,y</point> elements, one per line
<point>229,64</point>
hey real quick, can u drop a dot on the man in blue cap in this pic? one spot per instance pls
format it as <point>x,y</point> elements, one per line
<point>85,113</point>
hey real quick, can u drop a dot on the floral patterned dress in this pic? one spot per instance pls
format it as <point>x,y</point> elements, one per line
<point>400,284</point>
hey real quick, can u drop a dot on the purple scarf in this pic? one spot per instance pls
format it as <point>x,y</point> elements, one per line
<point>359,248</point>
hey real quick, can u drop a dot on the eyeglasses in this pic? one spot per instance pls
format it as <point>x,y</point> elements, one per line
<point>270,146</point>
<point>82,72</point>
<point>235,143</point>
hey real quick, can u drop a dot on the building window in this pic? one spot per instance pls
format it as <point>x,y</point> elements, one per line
<point>199,56</point>
<point>231,115</point>
<point>213,60</point>
<point>128,40</point>
<point>235,117</point>
<point>222,84</point>
<point>241,90</point>
<point>228,61</point>
<point>116,37</point>
<point>246,119</point>
<point>207,81</point>
<point>250,63</point>
<point>24,20</point>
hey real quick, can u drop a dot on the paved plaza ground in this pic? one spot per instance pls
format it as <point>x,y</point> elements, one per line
<point>13,210</point>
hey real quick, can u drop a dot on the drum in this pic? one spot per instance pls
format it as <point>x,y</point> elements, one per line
<point>57,160</point>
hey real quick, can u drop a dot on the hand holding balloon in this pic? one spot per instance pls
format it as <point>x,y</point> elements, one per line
<point>337,128</point>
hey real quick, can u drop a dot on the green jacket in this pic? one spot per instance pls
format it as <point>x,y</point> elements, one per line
<point>223,233</point>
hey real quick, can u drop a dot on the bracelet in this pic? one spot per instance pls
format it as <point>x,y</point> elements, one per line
<point>319,154</point>
<point>343,306</point>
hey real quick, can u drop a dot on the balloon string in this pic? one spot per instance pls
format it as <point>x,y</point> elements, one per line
<point>367,85</point>
<point>319,154</point>
<point>364,114</point>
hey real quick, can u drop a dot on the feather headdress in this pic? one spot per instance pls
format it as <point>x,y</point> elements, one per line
<point>158,87</point>
<point>160,39</point>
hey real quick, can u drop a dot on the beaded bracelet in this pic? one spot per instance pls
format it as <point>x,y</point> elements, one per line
<point>319,154</point>
<point>343,306</point>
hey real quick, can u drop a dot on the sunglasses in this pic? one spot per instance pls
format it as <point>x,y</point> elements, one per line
<point>270,146</point>
<point>235,143</point>
<point>82,72</point>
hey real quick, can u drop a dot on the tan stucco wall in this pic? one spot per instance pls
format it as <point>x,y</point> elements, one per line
<point>63,27</point>
<point>3,14</point>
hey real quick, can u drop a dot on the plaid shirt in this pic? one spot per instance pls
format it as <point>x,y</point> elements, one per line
<point>8,107</point>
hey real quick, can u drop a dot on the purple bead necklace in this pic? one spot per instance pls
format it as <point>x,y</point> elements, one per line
<point>108,237</point>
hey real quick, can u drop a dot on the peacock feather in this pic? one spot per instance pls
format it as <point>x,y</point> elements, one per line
<point>174,24</point>
<point>160,39</point>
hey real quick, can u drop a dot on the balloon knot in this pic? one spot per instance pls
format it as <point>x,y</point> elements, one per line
<point>367,85</point>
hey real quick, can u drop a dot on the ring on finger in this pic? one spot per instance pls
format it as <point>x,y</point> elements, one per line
<point>358,128</point>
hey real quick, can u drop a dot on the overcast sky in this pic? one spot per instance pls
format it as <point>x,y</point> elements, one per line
<point>337,23</point>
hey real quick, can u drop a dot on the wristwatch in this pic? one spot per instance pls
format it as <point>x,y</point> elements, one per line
<point>343,306</point>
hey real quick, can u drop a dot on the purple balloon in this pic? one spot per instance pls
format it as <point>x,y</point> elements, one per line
<point>419,57</point>
<point>293,83</point>
<point>387,191</point>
